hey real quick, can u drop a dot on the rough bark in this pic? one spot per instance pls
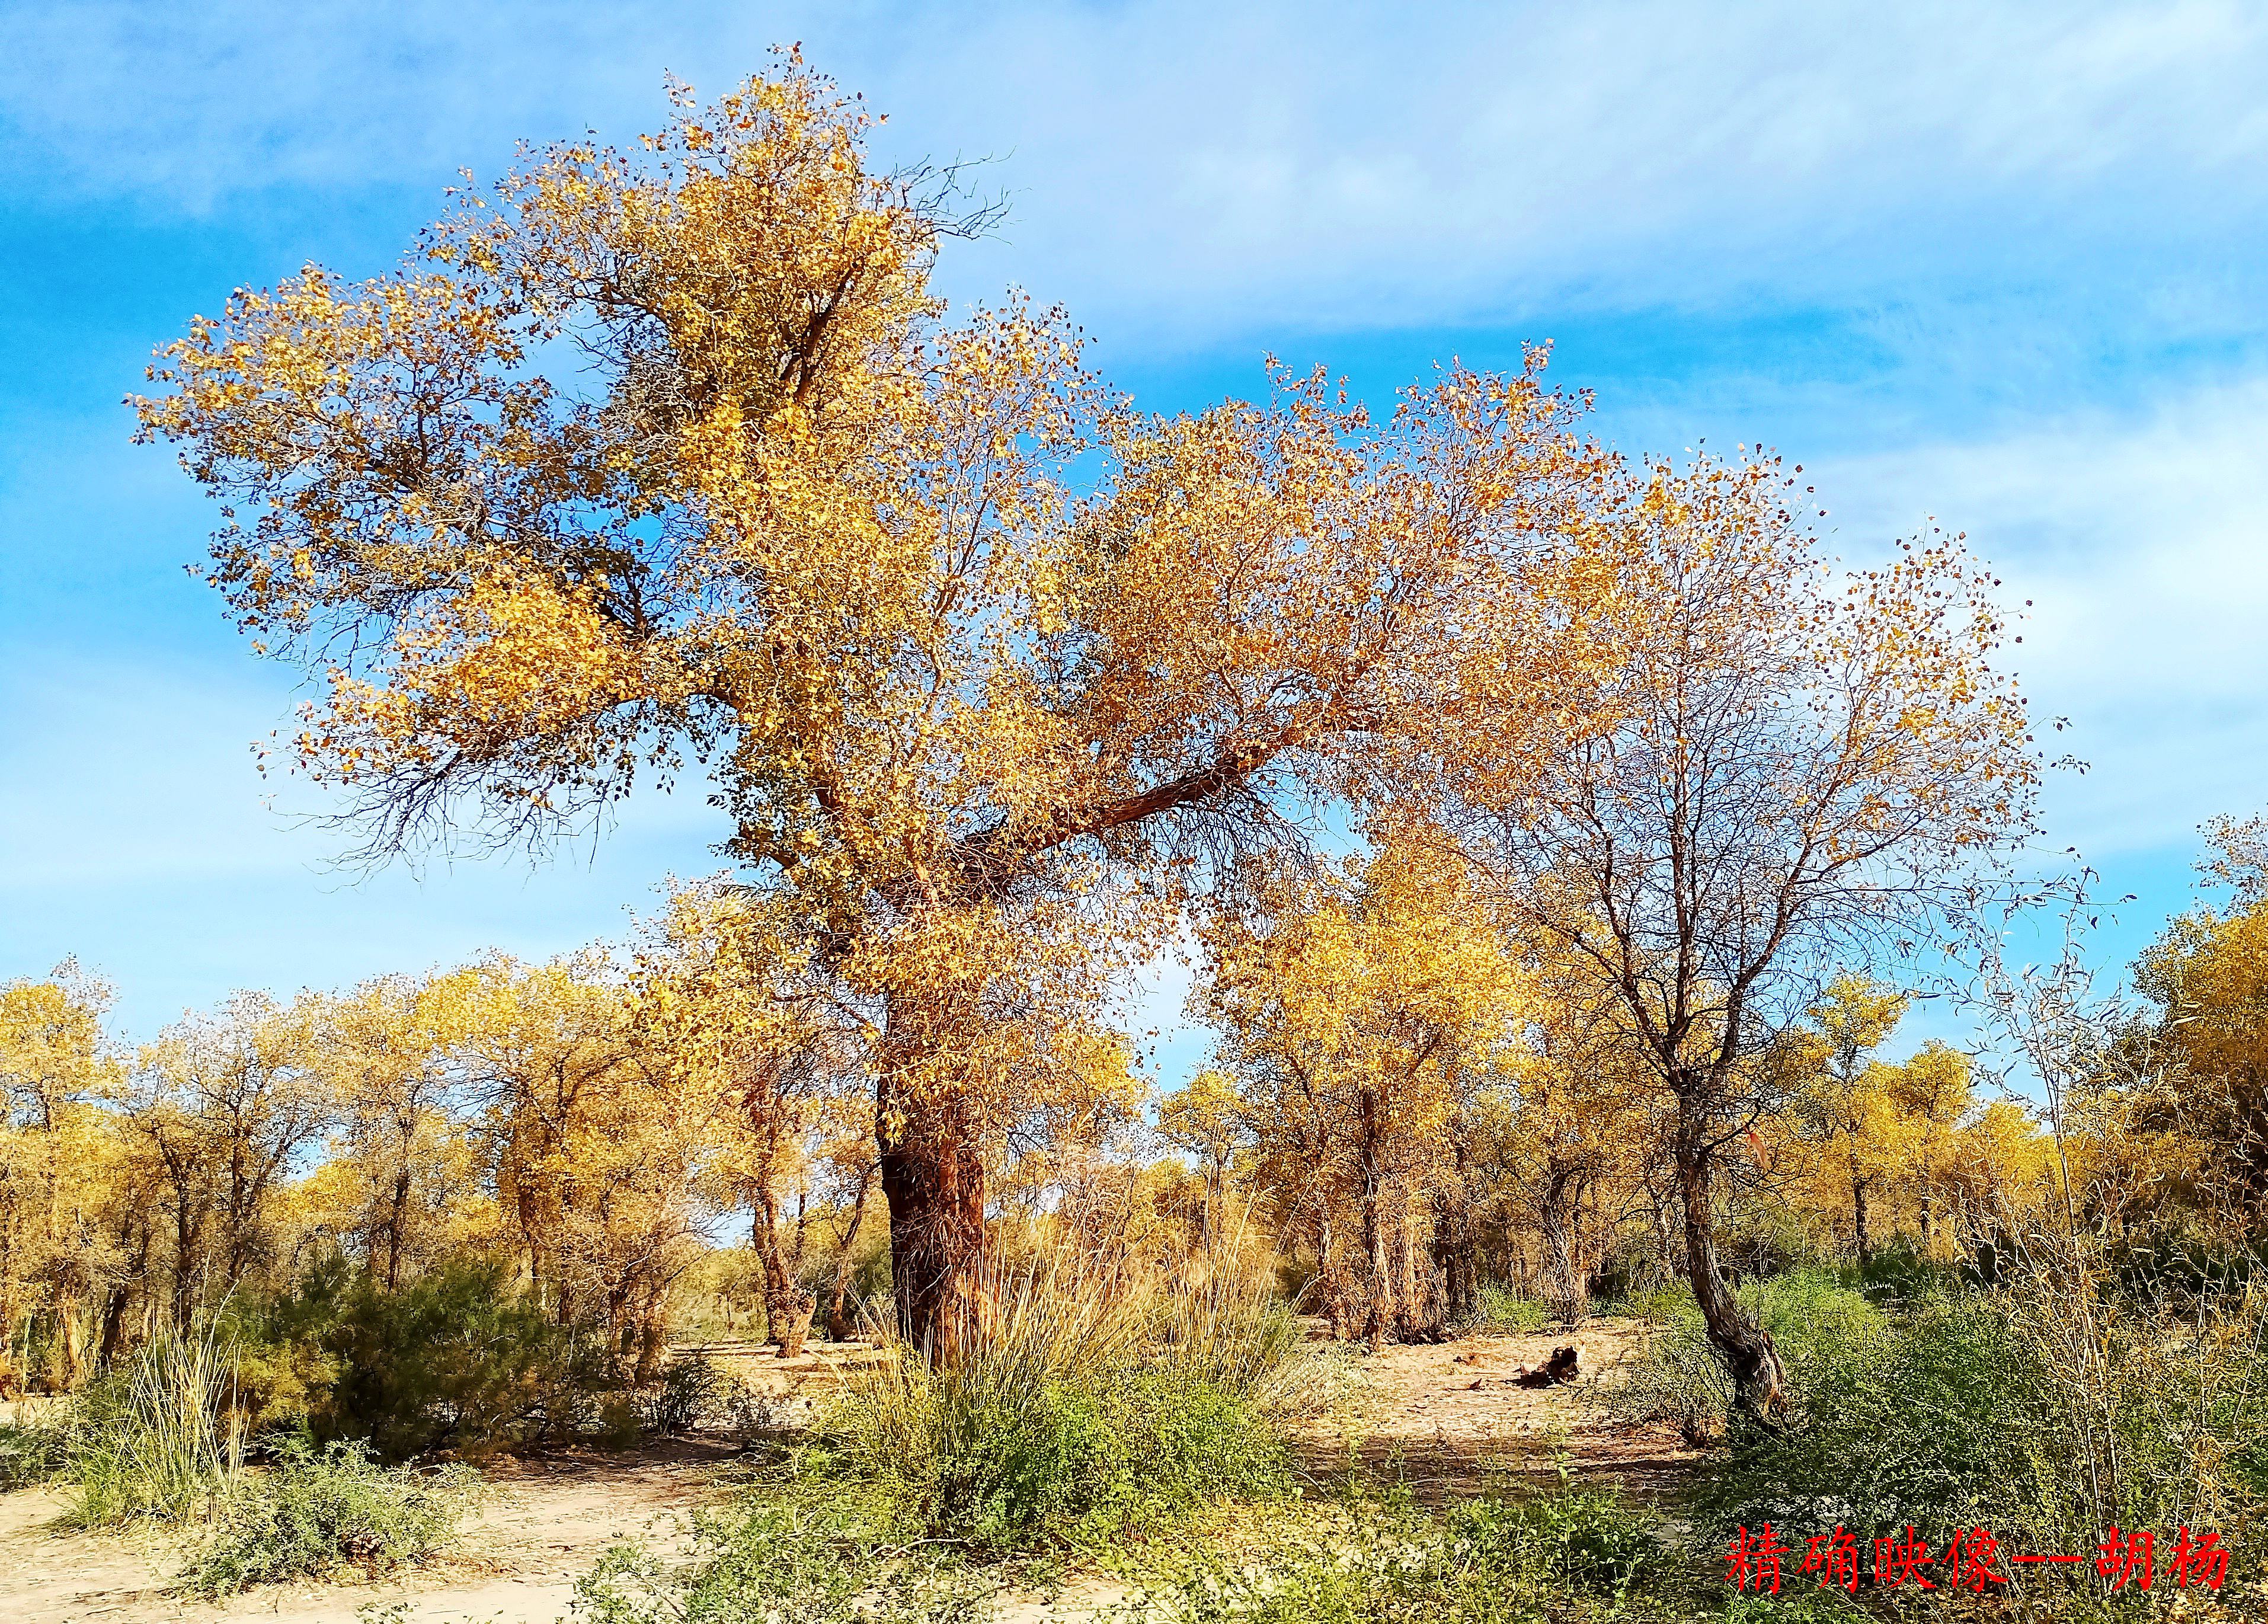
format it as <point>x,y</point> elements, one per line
<point>397,1222</point>
<point>1569,1292</point>
<point>787,1305</point>
<point>652,1342</point>
<point>1666,1258</point>
<point>932,1173</point>
<point>1453,1248</point>
<point>1754,1364</point>
<point>1329,1277</point>
<point>1373,1227</point>
<point>1858,1219</point>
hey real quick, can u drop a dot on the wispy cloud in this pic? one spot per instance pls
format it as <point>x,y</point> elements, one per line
<point>1209,166</point>
<point>2142,541</point>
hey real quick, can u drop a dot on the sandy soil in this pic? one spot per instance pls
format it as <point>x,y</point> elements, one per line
<point>542,1526</point>
<point>1447,1419</point>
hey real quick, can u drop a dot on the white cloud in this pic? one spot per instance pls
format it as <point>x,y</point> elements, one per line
<point>133,833</point>
<point>1206,164</point>
<point>2143,542</point>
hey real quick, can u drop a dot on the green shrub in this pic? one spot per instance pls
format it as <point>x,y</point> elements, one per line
<point>2043,1411</point>
<point>456,1359</point>
<point>1901,1272</point>
<point>1921,1419</point>
<point>692,1393</point>
<point>1084,1416</point>
<point>29,1454</point>
<point>315,1513</point>
<point>1500,1311</point>
<point>1589,1538</point>
<point>771,1562</point>
<point>972,1452</point>
<point>1568,1557</point>
<point>1810,1313</point>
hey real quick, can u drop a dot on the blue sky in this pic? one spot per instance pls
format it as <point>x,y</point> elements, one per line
<point>2003,266</point>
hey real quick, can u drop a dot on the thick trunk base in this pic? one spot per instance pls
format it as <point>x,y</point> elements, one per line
<point>933,1177</point>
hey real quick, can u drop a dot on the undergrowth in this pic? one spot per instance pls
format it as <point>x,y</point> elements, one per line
<point>1498,1310</point>
<point>2031,1410</point>
<point>1083,1419</point>
<point>319,1512</point>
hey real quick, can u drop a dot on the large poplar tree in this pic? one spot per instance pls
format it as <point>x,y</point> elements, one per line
<point>672,462</point>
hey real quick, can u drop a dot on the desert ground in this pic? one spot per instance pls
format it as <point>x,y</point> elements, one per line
<point>1444,1418</point>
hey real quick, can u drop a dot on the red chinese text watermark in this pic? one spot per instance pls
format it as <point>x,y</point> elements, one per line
<point>1972,1560</point>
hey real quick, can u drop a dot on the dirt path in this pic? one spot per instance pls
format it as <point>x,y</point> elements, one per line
<point>1447,1419</point>
<point>542,1527</point>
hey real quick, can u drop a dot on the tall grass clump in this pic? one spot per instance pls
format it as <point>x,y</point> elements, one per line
<point>1084,1415</point>
<point>315,1513</point>
<point>2149,1412</point>
<point>159,1438</point>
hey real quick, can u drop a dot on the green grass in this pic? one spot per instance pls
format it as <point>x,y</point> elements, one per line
<point>1500,1311</point>
<point>2023,1410</point>
<point>29,1454</point>
<point>815,1563</point>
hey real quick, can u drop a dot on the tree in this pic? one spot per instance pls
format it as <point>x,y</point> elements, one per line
<point>2197,1103</point>
<point>1358,1011</point>
<point>1206,1118</point>
<point>227,1104</point>
<point>731,1012</point>
<point>1568,1127</point>
<point>1788,771</point>
<point>671,460</point>
<point>55,1146</point>
<point>598,1157</point>
<point>1846,1096</point>
<point>385,1047</point>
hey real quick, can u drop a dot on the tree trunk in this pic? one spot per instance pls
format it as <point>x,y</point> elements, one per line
<point>1373,1229</point>
<point>184,1266</point>
<point>1571,1296</point>
<point>397,1222</point>
<point>1859,1220</point>
<point>69,1355</point>
<point>1329,1277</point>
<point>1453,1248</point>
<point>1745,1346</point>
<point>837,1328</point>
<point>787,1305</point>
<point>1665,1232</point>
<point>652,1340</point>
<point>113,1325</point>
<point>932,1173</point>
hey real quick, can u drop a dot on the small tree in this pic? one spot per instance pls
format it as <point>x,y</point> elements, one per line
<point>1788,771</point>
<point>1844,1094</point>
